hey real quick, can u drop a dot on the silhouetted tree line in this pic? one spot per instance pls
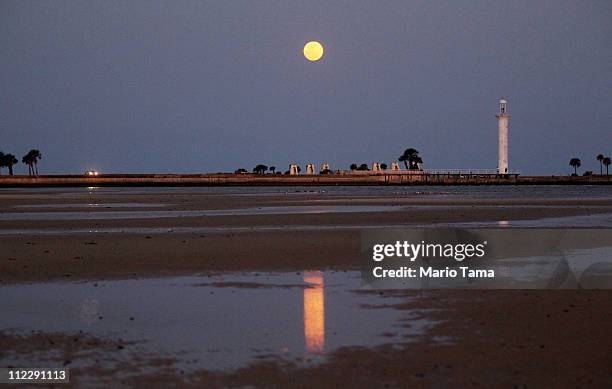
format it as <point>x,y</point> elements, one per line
<point>258,169</point>
<point>30,159</point>
<point>411,158</point>
<point>603,161</point>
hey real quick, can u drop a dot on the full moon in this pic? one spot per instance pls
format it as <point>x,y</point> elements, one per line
<point>313,51</point>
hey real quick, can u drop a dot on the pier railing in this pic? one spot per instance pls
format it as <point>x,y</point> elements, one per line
<point>474,172</point>
<point>441,172</point>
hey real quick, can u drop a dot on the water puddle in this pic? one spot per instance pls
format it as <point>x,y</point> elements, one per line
<point>95,205</point>
<point>279,210</point>
<point>288,210</point>
<point>222,321</point>
<point>591,221</point>
<point>186,230</point>
<point>600,220</point>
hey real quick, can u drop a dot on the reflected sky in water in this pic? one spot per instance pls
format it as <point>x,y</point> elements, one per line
<point>219,322</point>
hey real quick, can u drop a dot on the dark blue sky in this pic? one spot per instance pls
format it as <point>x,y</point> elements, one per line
<point>206,86</point>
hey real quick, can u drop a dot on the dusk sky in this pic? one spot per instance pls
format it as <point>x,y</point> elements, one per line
<point>208,86</point>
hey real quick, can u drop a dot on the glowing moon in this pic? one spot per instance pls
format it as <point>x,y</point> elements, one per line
<point>313,51</point>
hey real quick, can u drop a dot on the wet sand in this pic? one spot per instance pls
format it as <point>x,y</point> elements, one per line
<point>553,339</point>
<point>483,339</point>
<point>227,242</point>
<point>556,339</point>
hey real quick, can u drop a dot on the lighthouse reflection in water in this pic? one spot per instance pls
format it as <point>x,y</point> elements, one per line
<point>314,312</point>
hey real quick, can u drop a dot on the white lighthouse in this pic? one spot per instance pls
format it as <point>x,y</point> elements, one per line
<point>502,125</point>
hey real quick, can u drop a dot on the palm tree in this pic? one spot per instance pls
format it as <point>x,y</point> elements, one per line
<point>363,167</point>
<point>383,166</point>
<point>575,163</point>
<point>600,158</point>
<point>353,166</point>
<point>606,162</point>
<point>36,156</point>
<point>272,169</point>
<point>27,159</point>
<point>411,159</point>
<point>9,161</point>
<point>31,159</point>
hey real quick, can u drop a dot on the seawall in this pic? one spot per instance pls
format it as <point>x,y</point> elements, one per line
<point>362,178</point>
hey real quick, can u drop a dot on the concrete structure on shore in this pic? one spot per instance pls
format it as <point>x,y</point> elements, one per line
<point>376,167</point>
<point>395,167</point>
<point>294,170</point>
<point>502,124</point>
<point>248,179</point>
<point>310,168</point>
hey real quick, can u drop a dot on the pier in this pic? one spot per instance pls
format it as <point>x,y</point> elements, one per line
<point>342,178</point>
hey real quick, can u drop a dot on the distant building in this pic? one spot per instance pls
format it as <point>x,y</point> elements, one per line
<point>376,166</point>
<point>395,167</point>
<point>324,167</point>
<point>310,168</point>
<point>294,169</point>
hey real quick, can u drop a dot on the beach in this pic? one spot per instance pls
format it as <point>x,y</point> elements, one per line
<point>158,234</point>
<point>301,248</point>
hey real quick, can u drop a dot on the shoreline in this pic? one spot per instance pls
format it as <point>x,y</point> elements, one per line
<point>403,178</point>
<point>477,338</point>
<point>230,242</point>
<point>508,338</point>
